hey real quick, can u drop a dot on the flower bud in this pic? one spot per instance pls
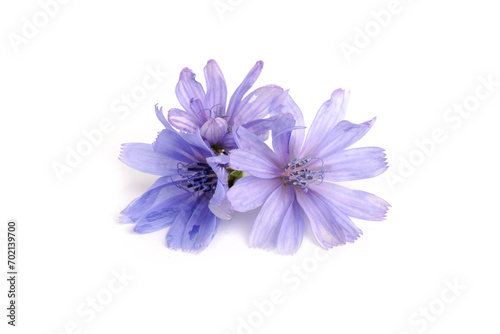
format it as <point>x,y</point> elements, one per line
<point>214,130</point>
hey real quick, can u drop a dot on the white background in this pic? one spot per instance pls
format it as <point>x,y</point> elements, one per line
<point>443,225</point>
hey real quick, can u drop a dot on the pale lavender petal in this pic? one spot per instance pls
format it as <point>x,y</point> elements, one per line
<point>143,158</point>
<point>188,89</point>
<point>228,142</point>
<point>162,214</point>
<point>200,147</point>
<point>297,137</point>
<point>351,231</point>
<point>244,87</point>
<point>329,114</point>
<point>267,225</point>
<point>251,192</point>
<point>216,87</point>
<point>342,136</point>
<point>355,164</point>
<point>163,189</point>
<point>219,204</point>
<point>254,164</point>
<point>292,230</point>
<point>172,145</point>
<point>219,163</point>
<point>281,131</point>
<point>161,118</point>
<point>354,203</point>
<point>257,104</point>
<point>184,121</point>
<point>260,127</point>
<point>176,231</point>
<point>324,224</point>
<point>214,130</point>
<point>250,142</point>
<point>200,228</point>
<point>199,110</point>
<point>157,221</point>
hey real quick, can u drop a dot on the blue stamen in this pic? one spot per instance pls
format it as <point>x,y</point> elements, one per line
<point>198,177</point>
<point>303,177</point>
<point>217,113</point>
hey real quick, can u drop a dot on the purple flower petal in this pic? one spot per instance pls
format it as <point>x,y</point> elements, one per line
<point>288,106</point>
<point>163,189</point>
<point>250,192</point>
<point>200,229</point>
<point>292,230</point>
<point>342,136</point>
<point>199,110</point>
<point>216,87</point>
<point>143,158</point>
<point>219,204</point>
<point>328,115</point>
<point>184,121</point>
<point>250,142</point>
<point>244,87</point>
<point>355,164</point>
<point>172,145</point>
<point>267,225</point>
<point>194,227</point>
<point>351,231</point>
<point>228,142</point>
<point>324,224</point>
<point>162,214</point>
<point>260,127</point>
<point>161,118</point>
<point>282,130</point>
<point>188,89</point>
<point>214,130</point>
<point>176,231</point>
<point>254,164</point>
<point>257,104</point>
<point>354,203</point>
<point>200,147</point>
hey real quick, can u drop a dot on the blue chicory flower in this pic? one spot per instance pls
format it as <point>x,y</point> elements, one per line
<point>296,178</point>
<point>207,111</point>
<point>190,195</point>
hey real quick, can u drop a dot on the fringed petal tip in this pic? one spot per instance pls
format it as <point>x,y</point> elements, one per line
<point>124,219</point>
<point>190,251</point>
<point>371,122</point>
<point>186,71</point>
<point>194,249</point>
<point>161,117</point>
<point>382,212</point>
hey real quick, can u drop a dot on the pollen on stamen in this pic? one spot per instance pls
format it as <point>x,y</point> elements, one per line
<point>303,177</point>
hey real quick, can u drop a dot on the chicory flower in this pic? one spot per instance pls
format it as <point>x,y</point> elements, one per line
<point>297,178</point>
<point>189,197</point>
<point>207,111</point>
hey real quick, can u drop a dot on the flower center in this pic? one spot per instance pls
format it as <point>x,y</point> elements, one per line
<point>198,177</point>
<point>296,175</point>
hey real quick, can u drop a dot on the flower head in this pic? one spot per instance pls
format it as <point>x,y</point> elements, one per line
<point>190,195</point>
<point>207,111</point>
<point>297,178</point>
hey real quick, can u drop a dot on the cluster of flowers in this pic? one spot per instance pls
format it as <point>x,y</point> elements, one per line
<point>217,162</point>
